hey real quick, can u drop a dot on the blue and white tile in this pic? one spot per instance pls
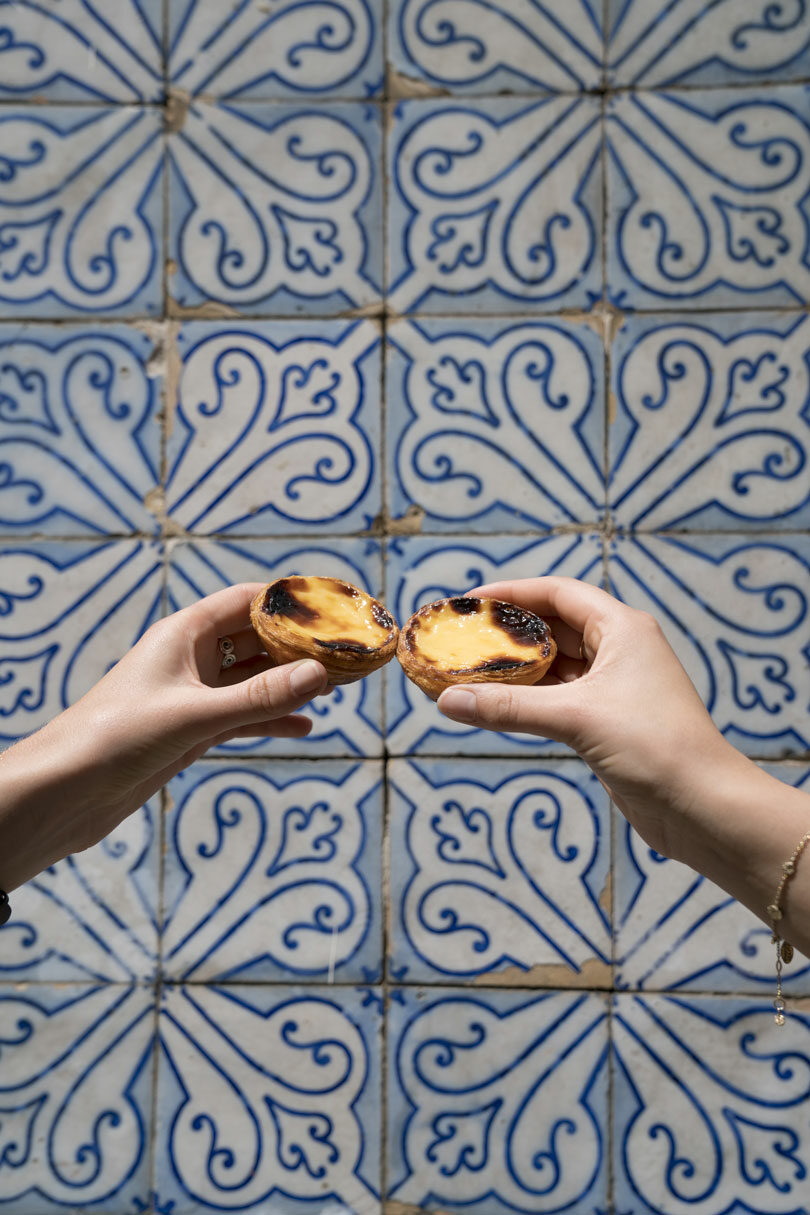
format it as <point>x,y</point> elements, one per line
<point>80,210</point>
<point>497,1102</point>
<point>91,916</point>
<point>516,46</point>
<point>422,568</point>
<point>495,205</point>
<point>734,609</point>
<point>276,428</point>
<point>295,48</point>
<point>80,430</point>
<point>712,428</point>
<point>273,872</point>
<point>495,427</point>
<point>692,42</point>
<point>499,870</point>
<point>75,1097</point>
<point>347,722</point>
<point>71,52</point>
<point>269,1099</point>
<point>710,1102</point>
<point>675,930</point>
<point>276,208</point>
<point>68,612</point>
<point>706,195</point>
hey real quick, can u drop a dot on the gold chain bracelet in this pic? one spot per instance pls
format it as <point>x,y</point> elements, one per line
<point>784,949</point>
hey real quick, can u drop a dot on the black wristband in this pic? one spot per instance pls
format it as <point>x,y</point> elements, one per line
<point>5,908</point>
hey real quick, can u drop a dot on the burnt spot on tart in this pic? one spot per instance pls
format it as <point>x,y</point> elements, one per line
<point>354,647</point>
<point>522,627</point>
<point>280,600</point>
<point>500,664</point>
<point>383,618</point>
<point>464,605</point>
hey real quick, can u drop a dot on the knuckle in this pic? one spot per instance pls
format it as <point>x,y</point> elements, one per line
<point>501,708</point>
<point>262,694</point>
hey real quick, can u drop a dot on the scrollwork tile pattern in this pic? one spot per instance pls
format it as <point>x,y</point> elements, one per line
<point>419,294</point>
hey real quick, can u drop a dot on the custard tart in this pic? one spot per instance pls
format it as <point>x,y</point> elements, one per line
<point>347,630</point>
<point>469,640</point>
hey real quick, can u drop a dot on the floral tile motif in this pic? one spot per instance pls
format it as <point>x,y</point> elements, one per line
<point>68,611</point>
<point>347,722</point>
<point>79,430</point>
<point>706,43</point>
<point>495,426</point>
<point>706,195</point>
<point>71,52</point>
<point>478,46</point>
<point>269,1098</point>
<point>422,568</point>
<point>497,1101</point>
<point>735,610</point>
<point>75,1097</point>
<point>676,930</point>
<point>710,1106</point>
<point>713,425</point>
<point>276,209</point>
<point>273,872</point>
<point>80,210</point>
<point>92,915</point>
<point>495,205</point>
<point>293,48</point>
<point>277,428</point>
<point>498,872</point>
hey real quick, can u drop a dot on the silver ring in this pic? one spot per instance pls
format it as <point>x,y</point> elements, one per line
<point>226,650</point>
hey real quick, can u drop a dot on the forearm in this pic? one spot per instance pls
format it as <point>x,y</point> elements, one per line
<point>738,827</point>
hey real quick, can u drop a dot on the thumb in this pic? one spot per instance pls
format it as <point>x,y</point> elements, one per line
<point>264,697</point>
<point>552,711</point>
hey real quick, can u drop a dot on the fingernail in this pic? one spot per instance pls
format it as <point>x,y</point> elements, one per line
<point>458,703</point>
<point>306,677</point>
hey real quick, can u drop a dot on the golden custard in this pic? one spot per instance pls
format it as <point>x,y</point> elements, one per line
<point>305,616</point>
<point>469,640</point>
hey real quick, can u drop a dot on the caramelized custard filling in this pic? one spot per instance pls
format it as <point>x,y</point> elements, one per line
<point>474,637</point>
<point>329,611</point>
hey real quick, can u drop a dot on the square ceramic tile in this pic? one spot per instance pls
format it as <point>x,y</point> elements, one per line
<point>276,209</point>
<point>493,426</point>
<point>69,51</point>
<point>497,1102</point>
<point>81,210</point>
<point>676,930</point>
<point>706,43</point>
<point>79,429</point>
<point>422,568</point>
<point>273,872</point>
<point>499,872</point>
<point>93,915</point>
<point>68,612</point>
<point>276,428</point>
<point>269,1100</point>
<point>349,720</point>
<point>712,428</point>
<point>295,48</point>
<point>512,46</point>
<point>495,205</point>
<point>706,193</point>
<point>710,1106</point>
<point>75,1098</point>
<point>734,608</point>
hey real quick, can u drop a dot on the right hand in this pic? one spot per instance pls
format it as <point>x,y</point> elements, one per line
<point>618,696</point>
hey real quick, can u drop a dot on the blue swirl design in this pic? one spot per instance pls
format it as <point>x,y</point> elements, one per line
<point>442,1052</point>
<point>445,397</point>
<point>769,23</point>
<point>442,161</point>
<point>28,675</point>
<point>451,1128</point>
<point>8,599</point>
<point>224,820</point>
<point>323,1052</point>
<point>323,252</point>
<point>8,43</point>
<point>18,1121</point>
<point>446,33</point>
<point>229,257</point>
<point>322,846</point>
<point>771,396</point>
<point>25,1030</point>
<point>455,824</point>
<point>327,163</point>
<point>470,250</point>
<point>32,384</point>
<point>221,1160</point>
<point>767,224</point>
<point>547,1161</point>
<point>319,1130</point>
<point>9,165</point>
<point>323,401</point>
<point>327,38</point>
<point>323,920</point>
<point>773,692</point>
<point>784,1144</point>
<point>31,261</point>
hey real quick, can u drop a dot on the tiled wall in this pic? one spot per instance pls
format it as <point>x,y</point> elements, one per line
<point>417,294</point>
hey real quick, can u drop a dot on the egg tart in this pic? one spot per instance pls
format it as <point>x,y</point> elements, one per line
<point>470,640</point>
<point>347,630</point>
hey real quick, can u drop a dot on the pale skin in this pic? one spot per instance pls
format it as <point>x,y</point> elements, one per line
<point>627,708</point>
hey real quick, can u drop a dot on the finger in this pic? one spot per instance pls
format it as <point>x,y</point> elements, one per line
<point>221,613</point>
<point>565,669</point>
<point>568,640</point>
<point>550,712</point>
<point>578,604</point>
<point>263,697</point>
<point>246,644</point>
<point>244,670</point>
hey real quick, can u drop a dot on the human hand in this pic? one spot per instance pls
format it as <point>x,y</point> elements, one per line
<point>160,708</point>
<point>618,696</point>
